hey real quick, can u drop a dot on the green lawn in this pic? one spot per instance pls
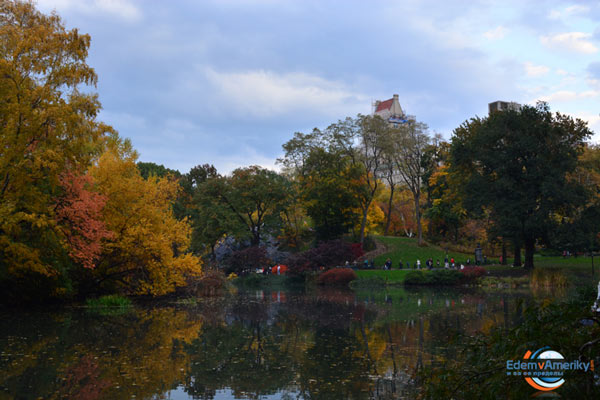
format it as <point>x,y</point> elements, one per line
<point>394,276</point>
<point>406,250</point>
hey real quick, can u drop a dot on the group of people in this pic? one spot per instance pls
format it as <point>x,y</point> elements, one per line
<point>429,264</point>
<point>449,263</point>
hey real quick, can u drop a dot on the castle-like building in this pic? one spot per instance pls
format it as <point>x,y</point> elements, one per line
<point>390,110</point>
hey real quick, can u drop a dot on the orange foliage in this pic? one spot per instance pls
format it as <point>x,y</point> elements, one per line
<point>79,212</point>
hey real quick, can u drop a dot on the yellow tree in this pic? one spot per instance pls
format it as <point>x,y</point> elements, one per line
<point>147,254</point>
<point>47,127</point>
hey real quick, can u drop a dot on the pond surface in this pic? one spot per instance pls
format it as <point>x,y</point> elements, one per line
<point>326,344</point>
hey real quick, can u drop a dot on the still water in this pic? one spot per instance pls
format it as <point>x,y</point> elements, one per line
<point>324,344</point>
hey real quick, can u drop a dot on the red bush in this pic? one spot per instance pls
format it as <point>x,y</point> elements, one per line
<point>334,253</point>
<point>472,273</point>
<point>336,276</point>
<point>357,250</point>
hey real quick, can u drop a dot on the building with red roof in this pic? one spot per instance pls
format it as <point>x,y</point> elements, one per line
<point>390,110</point>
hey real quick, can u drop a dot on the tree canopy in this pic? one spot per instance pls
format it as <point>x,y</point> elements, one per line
<point>516,164</point>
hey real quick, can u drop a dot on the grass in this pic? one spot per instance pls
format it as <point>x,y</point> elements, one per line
<point>406,250</point>
<point>109,305</point>
<point>388,277</point>
<point>113,300</point>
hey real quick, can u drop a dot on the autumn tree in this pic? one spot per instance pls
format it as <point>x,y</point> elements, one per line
<point>148,253</point>
<point>47,129</point>
<point>406,149</point>
<point>364,139</point>
<point>79,214</point>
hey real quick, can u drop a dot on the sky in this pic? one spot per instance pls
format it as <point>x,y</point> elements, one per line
<point>227,82</point>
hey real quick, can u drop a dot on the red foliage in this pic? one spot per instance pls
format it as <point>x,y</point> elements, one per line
<point>334,253</point>
<point>336,276</point>
<point>472,273</point>
<point>248,259</point>
<point>79,211</point>
<point>357,250</point>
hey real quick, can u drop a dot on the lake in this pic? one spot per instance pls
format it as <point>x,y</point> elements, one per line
<point>257,344</point>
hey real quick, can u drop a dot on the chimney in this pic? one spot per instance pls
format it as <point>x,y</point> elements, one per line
<point>396,97</point>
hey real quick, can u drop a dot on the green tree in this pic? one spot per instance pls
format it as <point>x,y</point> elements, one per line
<point>328,185</point>
<point>254,196</point>
<point>516,164</point>
<point>148,169</point>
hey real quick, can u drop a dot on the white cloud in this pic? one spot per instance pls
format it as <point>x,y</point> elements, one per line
<point>567,95</point>
<point>497,33</point>
<point>568,11</point>
<point>562,72</point>
<point>535,70</point>
<point>571,41</point>
<point>265,93</point>
<point>123,9</point>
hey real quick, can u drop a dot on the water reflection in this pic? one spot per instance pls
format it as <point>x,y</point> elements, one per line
<point>327,344</point>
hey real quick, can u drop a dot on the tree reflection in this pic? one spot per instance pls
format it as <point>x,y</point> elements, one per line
<point>328,344</point>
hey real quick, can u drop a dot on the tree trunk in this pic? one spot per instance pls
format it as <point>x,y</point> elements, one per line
<point>529,250</point>
<point>503,253</point>
<point>389,213</point>
<point>517,262</point>
<point>418,218</point>
<point>363,223</point>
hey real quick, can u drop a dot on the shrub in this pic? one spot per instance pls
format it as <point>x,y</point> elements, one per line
<point>113,300</point>
<point>337,277</point>
<point>327,254</point>
<point>357,250</point>
<point>212,283</point>
<point>472,273</point>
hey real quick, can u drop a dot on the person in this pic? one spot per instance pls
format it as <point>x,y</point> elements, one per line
<point>366,264</point>
<point>484,260</point>
<point>407,265</point>
<point>418,264</point>
<point>452,262</point>
<point>438,263</point>
<point>400,264</point>
<point>372,264</point>
<point>468,261</point>
<point>388,264</point>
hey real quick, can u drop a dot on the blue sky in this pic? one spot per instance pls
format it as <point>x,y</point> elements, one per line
<point>228,82</point>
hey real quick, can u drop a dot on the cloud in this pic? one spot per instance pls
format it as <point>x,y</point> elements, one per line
<point>568,95</point>
<point>123,9</point>
<point>535,70</point>
<point>497,33</point>
<point>571,41</point>
<point>263,93</point>
<point>568,11</point>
